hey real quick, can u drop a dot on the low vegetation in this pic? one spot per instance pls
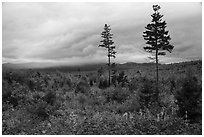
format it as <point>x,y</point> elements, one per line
<point>39,102</point>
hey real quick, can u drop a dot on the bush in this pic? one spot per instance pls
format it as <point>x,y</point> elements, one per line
<point>118,94</point>
<point>31,85</point>
<point>106,123</point>
<point>50,97</point>
<point>114,74</point>
<point>171,126</point>
<point>122,78</point>
<point>42,104</point>
<point>6,91</point>
<point>148,94</point>
<point>103,83</point>
<point>41,108</point>
<point>133,84</point>
<point>132,103</point>
<point>17,76</point>
<point>83,86</point>
<point>38,108</point>
<point>189,98</point>
<point>82,98</point>
<point>91,82</point>
<point>14,93</point>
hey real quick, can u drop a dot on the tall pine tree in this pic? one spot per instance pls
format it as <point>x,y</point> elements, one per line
<point>107,43</point>
<point>157,38</point>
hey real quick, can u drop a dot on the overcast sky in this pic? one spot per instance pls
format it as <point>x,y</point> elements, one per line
<point>69,33</point>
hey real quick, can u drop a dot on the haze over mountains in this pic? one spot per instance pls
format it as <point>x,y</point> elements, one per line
<point>44,66</point>
<point>80,67</point>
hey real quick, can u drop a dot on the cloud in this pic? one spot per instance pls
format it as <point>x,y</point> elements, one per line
<point>70,32</point>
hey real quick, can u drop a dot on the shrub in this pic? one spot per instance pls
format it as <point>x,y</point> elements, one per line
<point>50,97</point>
<point>132,103</point>
<point>8,77</point>
<point>148,94</point>
<point>31,85</point>
<point>14,93</point>
<point>133,84</point>
<point>38,108</point>
<point>114,74</point>
<point>17,76</point>
<point>106,123</point>
<point>82,98</point>
<point>6,91</point>
<point>103,83</point>
<point>189,98</point>
<point>91,82</point>
<point>172,84</point>
<point>171,126</point>
<point>122,78</point>
<point>114,80</point>
<point>118,94</point>
<point>83,86</point>
<point>100,71</point>
<point>41,108</point>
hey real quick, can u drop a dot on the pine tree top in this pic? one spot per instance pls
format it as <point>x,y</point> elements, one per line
<point>155,35</point>
<point>107,41</point>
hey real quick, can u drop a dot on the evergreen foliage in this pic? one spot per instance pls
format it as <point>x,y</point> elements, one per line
<point>107,42</point>
<point>157,37</point>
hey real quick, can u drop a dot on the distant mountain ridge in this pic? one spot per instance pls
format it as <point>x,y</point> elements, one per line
<point>87,67</point>
<point>23,65</point>
<point>42,66</point>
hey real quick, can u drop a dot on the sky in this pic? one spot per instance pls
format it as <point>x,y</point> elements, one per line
<point>69,33</point>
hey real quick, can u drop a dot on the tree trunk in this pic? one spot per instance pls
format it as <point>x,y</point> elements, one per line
<point>157,71</point>
<point>109,80</point>
<point>109,71</point>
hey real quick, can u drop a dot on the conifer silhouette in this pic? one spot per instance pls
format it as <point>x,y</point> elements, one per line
<point>157,38</point>
<point>107,42</point>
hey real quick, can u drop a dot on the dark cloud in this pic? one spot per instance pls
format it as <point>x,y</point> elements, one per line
<point>70,32</point>
<point>184,49</point>
<point>186,36</point>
